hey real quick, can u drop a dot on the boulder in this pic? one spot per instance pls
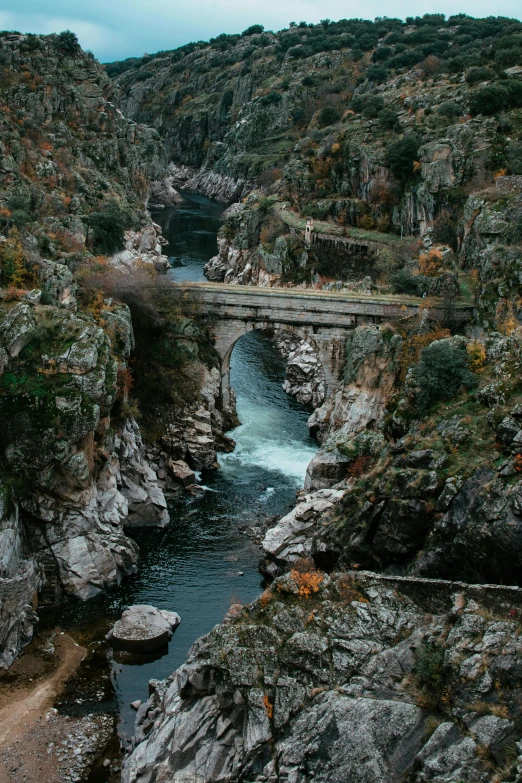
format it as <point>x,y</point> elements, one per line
<point>292,537</point>
<point>163,193</point>
<point>326,469</point>
<point>143,628</point>
<point>181,473</point>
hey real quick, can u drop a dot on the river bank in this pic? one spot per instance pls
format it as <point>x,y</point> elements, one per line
<point>204,560</point>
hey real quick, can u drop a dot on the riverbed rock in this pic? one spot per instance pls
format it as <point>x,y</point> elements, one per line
<point>143,628</point>
<point>163,193</point>
<point>323,678</point>
<point>292,537</point>
<point>181,472</point>
<point>304,376</point>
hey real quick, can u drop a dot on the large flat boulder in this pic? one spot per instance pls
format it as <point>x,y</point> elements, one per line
<point>143,628</point>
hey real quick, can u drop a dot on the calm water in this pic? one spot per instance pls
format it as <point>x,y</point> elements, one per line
<point>193,566</point>
<point>190,229</point>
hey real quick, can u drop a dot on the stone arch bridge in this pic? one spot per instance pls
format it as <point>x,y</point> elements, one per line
<point>324,318</point>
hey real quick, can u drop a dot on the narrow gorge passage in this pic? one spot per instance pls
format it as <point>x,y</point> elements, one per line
<point>193,566</point>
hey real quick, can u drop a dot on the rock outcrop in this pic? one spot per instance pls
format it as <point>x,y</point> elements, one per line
<point>293,537</point>
<point>349,677</point>
<point>358,405</point>
<point>66,150</point>
<point>79,477</point>
<point>196,432</point>
<point>141,247</point>
<point>209,182</point>
<point>304,377</point>
<point>163,193</point>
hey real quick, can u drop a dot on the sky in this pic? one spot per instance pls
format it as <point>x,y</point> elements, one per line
<point>115,29</point>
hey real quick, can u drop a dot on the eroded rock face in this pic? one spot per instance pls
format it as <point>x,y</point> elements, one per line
<point>304,374</point>
<point>20,580</point>
<point>238,241</point>
<point>163,193</point>
<point>292,537</point>
<point>334,686</point>
<point>359,403</point>
<point>195,434</point>
<point>142,246</point>
<point>208,182</point>
<point>82,477</point>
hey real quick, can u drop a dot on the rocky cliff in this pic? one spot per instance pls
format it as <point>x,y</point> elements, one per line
<point>349,677</point>
<point>71,477</point>
<point>428,493</point>
<point>375,129</point>
<point>76,244</point>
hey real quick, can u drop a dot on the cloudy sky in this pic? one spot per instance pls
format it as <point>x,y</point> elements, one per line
<point>114,29</point>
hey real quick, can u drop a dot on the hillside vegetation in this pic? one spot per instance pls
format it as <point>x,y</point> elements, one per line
<point>379,130</point>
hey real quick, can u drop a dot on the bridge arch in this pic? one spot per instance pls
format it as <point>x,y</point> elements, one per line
<point>329,348</point>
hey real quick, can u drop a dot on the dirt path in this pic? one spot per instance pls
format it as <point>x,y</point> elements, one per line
<point>30,730</point>
<point>31,703</point>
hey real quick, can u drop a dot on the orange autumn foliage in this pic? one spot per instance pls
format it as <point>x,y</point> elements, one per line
<point>308,583</point>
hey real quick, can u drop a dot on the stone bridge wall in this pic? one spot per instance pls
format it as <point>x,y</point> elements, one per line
<point>322,318</point>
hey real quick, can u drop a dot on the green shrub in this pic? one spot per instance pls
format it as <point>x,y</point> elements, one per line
<point>476,75</point>
<point>328,116</point>
<point>388,119</point>
<point>382,54</point>
<point>298,114</point>
<point>401,156</point>
<point>265,205</point>
<point>254,29</point>
<point>403,282</point>
<point>377,73</point>
<point>442,371</point>
<point>271,98</point>
<point>508,57</point>
<point>514,90</point>
<point>67,42</point>
<point>374,105</point>
<point>429,666</point>
<point>450,109</point>
<point>489,100</point>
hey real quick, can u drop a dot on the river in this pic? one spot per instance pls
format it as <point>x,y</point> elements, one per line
<point>205,560</point>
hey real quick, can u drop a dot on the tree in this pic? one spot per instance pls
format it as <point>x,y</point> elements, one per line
<point>377,73</point>
<point>107,228</point>
<point>328,116</point>
<point>443,370</point>
<point>254,29</point>
<point>67,42</point>
<point>489,100</point>
<point>374,106</point>
<point>401,156</point>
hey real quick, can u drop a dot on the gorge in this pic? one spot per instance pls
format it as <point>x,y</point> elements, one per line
<point>315,375</point>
